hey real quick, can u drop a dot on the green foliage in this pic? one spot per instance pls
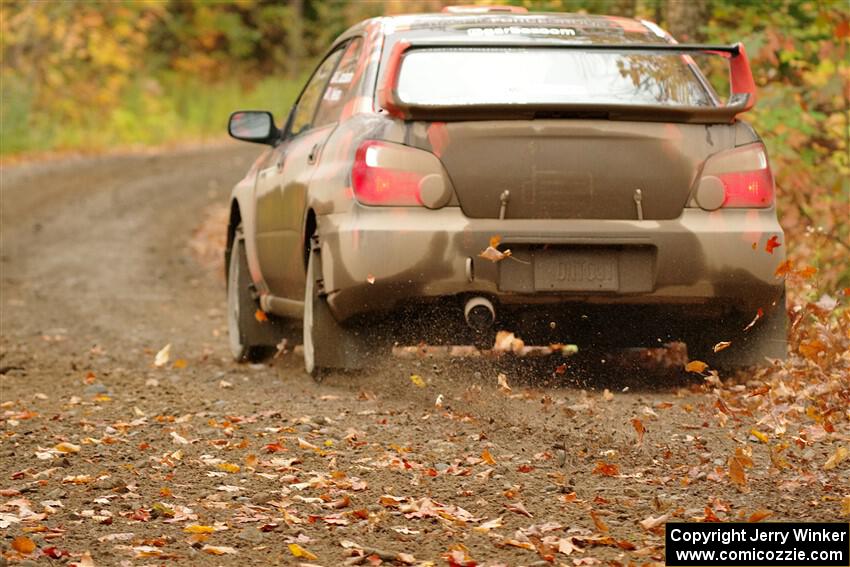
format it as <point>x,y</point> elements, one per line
<point>90,75</point>
<point>799,53</point>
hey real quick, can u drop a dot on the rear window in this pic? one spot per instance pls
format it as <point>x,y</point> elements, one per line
<point>469,76</point>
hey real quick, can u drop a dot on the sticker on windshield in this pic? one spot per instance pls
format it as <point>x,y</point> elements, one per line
<point>520,30</point>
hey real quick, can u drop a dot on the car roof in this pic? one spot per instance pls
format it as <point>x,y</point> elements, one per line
<point>581,28</point>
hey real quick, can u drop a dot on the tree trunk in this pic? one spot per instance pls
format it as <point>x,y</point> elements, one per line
<point>683,19</point>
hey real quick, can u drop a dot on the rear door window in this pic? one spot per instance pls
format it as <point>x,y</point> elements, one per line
<point>310,98</point>
<point>342,86</point>
<point>477,76</point>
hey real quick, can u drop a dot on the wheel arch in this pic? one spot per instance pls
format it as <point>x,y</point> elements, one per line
<point>234,219</point>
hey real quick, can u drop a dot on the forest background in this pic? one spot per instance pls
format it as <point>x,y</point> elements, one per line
<point>90,76</point>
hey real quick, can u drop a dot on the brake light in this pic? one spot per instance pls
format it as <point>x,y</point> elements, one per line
<point>738,178</point>
<point>388,174</point>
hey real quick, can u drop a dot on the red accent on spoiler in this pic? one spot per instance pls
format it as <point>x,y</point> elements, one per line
<point>740,73</point>
<point>386,93</point>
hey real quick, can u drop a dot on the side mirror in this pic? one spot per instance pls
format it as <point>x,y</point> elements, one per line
<point>253,126</point>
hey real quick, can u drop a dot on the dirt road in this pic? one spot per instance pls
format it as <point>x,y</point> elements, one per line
<point>206,462</point>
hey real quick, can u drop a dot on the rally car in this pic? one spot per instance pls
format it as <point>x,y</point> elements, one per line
<point>573,178</point>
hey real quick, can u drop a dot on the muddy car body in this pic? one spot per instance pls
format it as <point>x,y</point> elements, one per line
<point>573,178</point>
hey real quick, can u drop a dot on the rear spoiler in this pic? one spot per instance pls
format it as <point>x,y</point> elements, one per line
<point>742,98</point>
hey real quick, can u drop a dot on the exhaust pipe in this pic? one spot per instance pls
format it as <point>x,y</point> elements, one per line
<point>479,313</point>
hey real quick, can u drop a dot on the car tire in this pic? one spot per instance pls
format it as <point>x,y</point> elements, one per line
<point>242,325</point>
<point>329,345</point>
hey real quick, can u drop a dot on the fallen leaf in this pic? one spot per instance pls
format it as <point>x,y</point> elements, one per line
<point>771,244</point>
<point>697,366</point>
<point>737,464</point>
<point>161,358</point>
<point>67,448</point>
<point>759,515</point>
<point>845,506</point>
<point>784,269</point>
<point>180,363</point>
<point>759,435</point>
<point>836,459</point>
<point>417,380</point>
<point>597,521</point>
<point>229,467</point>
<point>23,544</point>
<point>179,439</point>
<point>299,551</point>
<point>219,550</point>
<point>502,380</point>
<point>494,255</point>
<point>759,315</point>
<point>807,272</point>
<point>198,529</point>
<point>811,349</point>
<point>607,469</point>
<point>519,508</point>
<point>722,345</point>
<point>651,523</point>
<point>497,523</point>
<point>85,561</point>
<point>639,429</point>
<point>261,316</point>
<point>517,543</point>
<point>487,457</point>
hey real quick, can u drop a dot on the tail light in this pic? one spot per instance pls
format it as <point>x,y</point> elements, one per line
<point>738,178</point>
<point>387,174</point>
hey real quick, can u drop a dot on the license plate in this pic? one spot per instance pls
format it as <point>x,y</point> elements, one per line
<point>576,271</point>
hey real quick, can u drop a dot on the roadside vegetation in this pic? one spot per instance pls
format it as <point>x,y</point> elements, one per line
<point>155,445</point>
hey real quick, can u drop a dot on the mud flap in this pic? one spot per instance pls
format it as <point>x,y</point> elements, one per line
<point>335,346</point>
<point>259,337</point>
<point>768,338</point>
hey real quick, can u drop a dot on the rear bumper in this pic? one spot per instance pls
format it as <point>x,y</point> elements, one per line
<point>378,259</point>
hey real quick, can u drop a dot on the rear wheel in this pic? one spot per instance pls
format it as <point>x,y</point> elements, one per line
<point>242,325</point>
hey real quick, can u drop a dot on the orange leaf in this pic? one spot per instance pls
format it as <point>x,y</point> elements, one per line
<point>23,544</point>
<point>251,461</point>
<point>299,551</point>
<point>737,463</point>
<point>495,240</point>
<point>784,269</point>
<point>261,316</point>
<point>811,349</point>
<point>607,469</point>
<point>180,363</point>
<point>229,467</point>
<point>771,244</point>
<point>600,525</point>
<point>487,457</point>
<point>760,515</point>
<point>198,529</point>
<point>639,429</point>
<point>697,366</point>
<point>808,272</point>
